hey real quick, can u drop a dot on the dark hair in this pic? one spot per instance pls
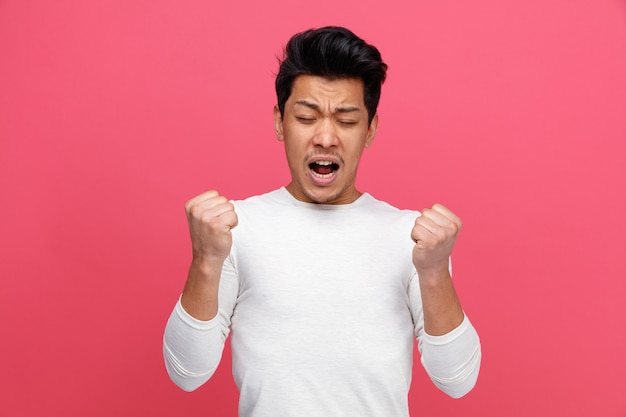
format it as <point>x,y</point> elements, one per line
<point>331,52</point>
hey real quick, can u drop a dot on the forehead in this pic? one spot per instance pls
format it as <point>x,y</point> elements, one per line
<point>324,91</point>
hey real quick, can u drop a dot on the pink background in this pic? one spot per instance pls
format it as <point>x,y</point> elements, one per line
<point>113,114</point>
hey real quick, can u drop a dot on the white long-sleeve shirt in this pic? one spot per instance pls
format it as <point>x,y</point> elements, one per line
<point>324,303</point>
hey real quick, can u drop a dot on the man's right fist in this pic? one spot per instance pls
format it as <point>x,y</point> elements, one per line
<point>210,217</point>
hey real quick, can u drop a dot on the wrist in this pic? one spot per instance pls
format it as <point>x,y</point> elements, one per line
<point>203,260</point>
<point>434,275</point>
<point>203,266</point>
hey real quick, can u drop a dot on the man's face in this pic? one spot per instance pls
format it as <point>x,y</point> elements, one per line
<point>325,129</point>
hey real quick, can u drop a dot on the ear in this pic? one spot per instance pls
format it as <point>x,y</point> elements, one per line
<point>371,131</point>
<point>278,123</point>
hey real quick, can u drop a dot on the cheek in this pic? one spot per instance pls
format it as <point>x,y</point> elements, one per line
<point>294,153</point>
<point>354,153</point>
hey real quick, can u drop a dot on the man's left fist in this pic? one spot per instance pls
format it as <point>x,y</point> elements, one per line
<point>434,234</point>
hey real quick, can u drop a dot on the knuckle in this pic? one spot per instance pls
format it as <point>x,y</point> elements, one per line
<point>210,194</point>
<point>192,209</point>
<point>218,200</point>
<point>207,217</point>
<point>188,205</point>
<point>213,224</point>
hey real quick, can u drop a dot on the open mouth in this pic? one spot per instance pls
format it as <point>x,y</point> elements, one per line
<point>323,169</point>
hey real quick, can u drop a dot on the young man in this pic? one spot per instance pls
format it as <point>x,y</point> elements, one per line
<point>324,287</point>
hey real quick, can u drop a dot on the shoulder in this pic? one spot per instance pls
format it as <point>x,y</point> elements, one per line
<point>384,208</point>
<point>270,198</point>
<point>263,209</point>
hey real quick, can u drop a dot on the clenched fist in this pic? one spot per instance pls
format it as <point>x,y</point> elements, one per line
<point>434,234</point>
<point>211,217</point>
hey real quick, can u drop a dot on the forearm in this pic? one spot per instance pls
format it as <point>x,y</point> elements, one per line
<point>200,294</point>
<point>453,360</point>
<point>441,307</point>
<point>192,348</point>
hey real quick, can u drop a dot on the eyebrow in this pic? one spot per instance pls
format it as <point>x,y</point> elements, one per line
<point>340,109</point>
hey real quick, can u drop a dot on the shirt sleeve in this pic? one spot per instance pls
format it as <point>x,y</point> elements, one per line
<point>192,348</point>
<point>452,361</point>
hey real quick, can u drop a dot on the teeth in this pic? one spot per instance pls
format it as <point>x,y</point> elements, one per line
<point>323,162</point>
<point>322,175</point>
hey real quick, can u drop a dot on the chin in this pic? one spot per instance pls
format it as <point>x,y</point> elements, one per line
<point>326,195</point>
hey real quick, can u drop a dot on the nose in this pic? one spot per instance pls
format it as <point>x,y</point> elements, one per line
<point>326,134</point>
